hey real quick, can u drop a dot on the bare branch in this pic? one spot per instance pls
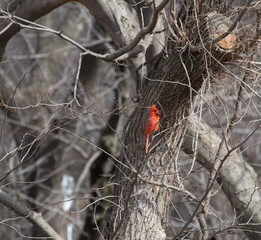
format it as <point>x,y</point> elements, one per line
<point>106,57</point>
<point>35,218</point>
<point>143,32</point>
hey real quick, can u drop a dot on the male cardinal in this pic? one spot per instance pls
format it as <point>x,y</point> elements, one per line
<point>152,124</point>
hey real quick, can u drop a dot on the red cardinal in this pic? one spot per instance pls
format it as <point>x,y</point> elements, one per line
<point>152,124</point>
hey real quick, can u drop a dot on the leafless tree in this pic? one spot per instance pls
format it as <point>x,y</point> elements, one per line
<point>77,82</point>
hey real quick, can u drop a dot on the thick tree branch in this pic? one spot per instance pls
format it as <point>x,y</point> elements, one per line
<point>237,178</point>
<point>28,9</point>
<point>143,32</point>
<point>35,218</point>
<point>116,19</point>
<point>23,23</point>
<point>124,31</point>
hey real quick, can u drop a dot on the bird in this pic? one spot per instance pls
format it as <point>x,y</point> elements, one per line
<point>152,124</point>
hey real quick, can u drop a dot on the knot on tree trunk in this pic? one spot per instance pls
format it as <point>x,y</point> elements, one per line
<point>218,25</point>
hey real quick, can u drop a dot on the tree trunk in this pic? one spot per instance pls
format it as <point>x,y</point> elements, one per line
<point>141,209</point>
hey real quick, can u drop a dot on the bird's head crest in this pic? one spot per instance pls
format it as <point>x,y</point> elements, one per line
<point>154,110</point>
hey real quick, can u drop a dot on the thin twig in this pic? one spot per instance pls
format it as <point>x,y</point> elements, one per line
<point>203,225</point>
<point>86,170</point>
<point>171,187</point>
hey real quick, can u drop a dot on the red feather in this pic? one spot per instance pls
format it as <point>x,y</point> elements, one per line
<point>152,124</point>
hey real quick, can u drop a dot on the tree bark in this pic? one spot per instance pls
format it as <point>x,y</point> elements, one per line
<point>140,210</point>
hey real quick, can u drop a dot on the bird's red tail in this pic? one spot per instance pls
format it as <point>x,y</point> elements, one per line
<point>147,142</point>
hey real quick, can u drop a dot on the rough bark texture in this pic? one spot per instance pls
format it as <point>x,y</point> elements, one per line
<point>148,206</point>
<point>144,208</point>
